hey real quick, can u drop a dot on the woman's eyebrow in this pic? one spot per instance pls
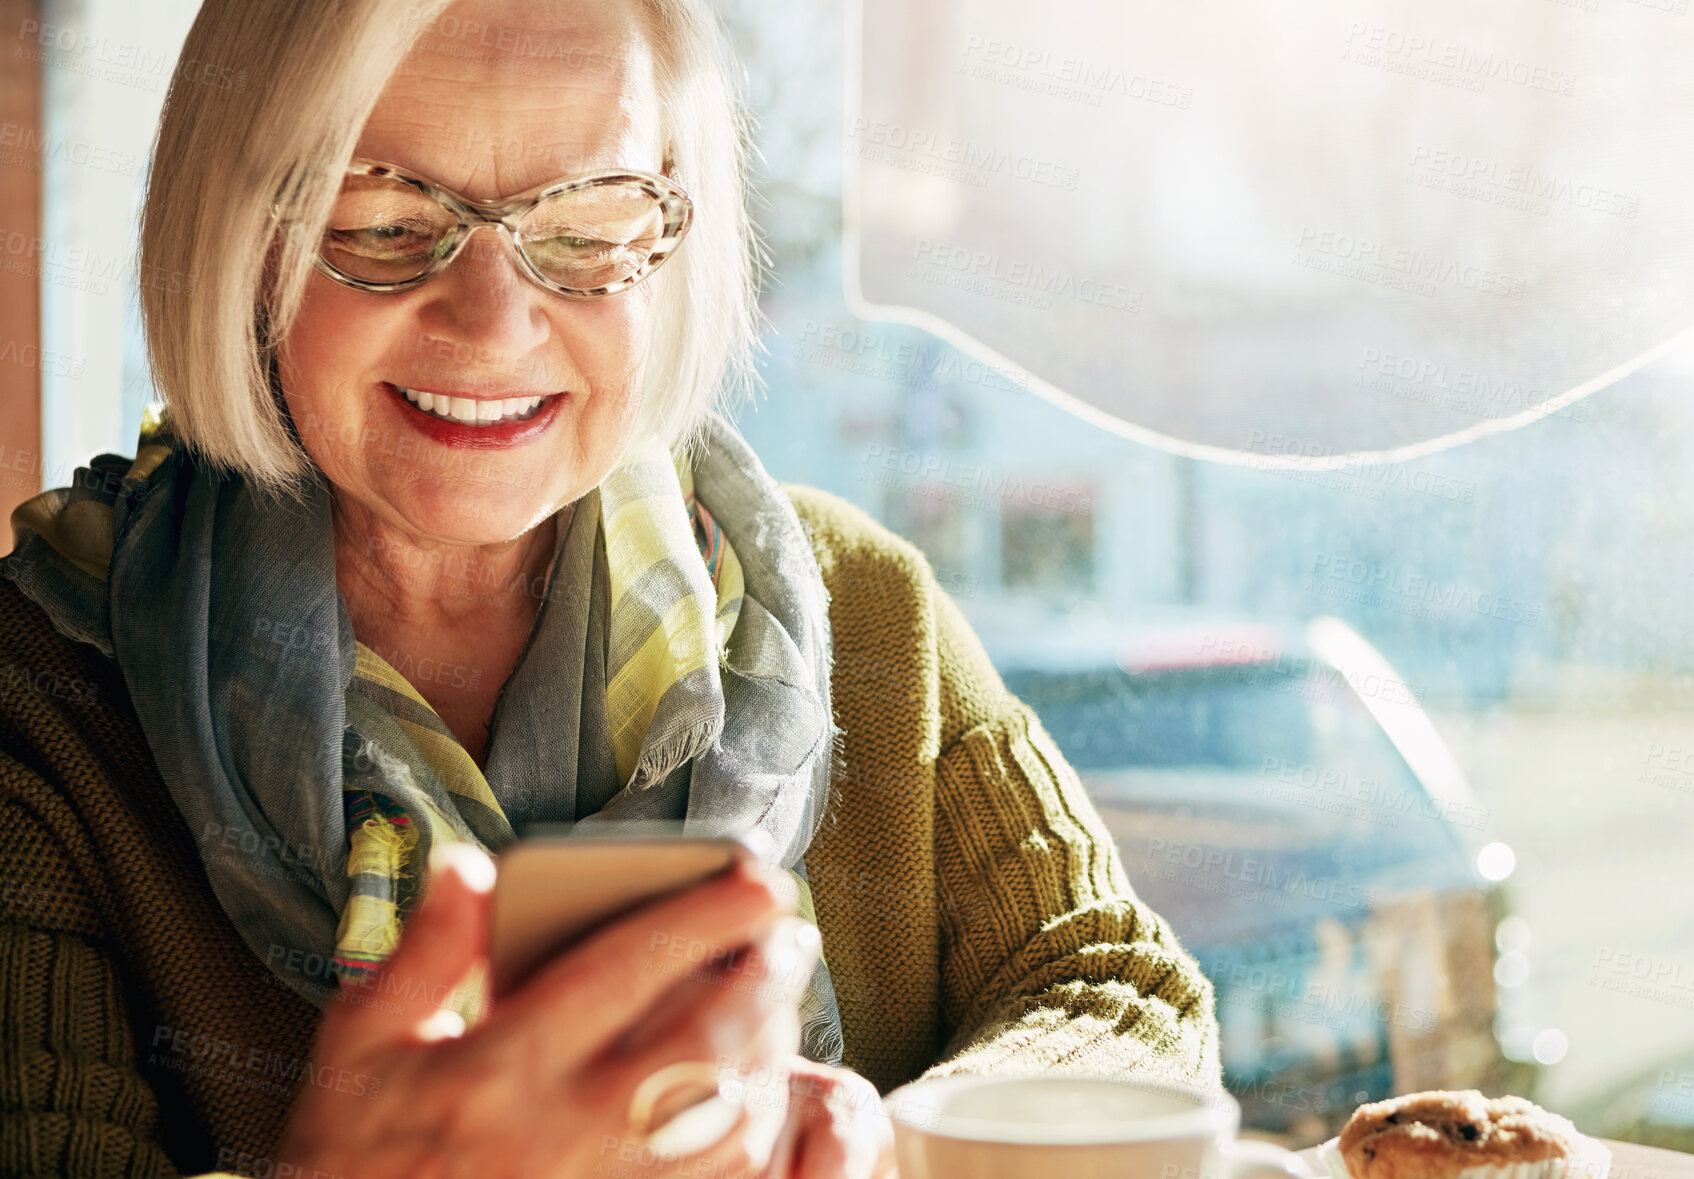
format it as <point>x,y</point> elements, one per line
<point>526,175</point>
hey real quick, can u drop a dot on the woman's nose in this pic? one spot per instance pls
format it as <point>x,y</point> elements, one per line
<point>483,298</point>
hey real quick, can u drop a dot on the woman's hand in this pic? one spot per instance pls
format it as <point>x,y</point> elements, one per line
<point>836,1128</point>
<point>542,1085</point>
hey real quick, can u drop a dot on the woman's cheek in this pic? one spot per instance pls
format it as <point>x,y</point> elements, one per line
<point>612,341</point>
<point>612,337</point>
<point>333,339</point>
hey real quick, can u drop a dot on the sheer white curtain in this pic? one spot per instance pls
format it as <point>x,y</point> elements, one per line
<point>1297,229</point>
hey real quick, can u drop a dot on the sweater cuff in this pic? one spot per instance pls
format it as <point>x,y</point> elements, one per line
<point>1051,961</point>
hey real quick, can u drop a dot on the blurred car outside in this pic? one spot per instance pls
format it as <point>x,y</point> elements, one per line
<point>1279,795</point>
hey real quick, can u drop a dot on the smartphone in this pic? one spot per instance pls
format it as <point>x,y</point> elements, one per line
<point>551,891</point>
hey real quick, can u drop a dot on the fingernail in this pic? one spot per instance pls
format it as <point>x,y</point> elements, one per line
<point>807,937</point>
<point>472,864</point>
<point>442,1024</point>
<point>759,845</point>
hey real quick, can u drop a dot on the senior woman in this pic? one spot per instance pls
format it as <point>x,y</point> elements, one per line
<point>442,535</point>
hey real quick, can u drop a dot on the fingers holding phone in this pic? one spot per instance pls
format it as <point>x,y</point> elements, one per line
<point>719,968</point>
<point>544,1083</point>
<point>724,1038</point>
<point>722,968</point>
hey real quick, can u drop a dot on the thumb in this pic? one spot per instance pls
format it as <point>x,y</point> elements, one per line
<point>415,994</point>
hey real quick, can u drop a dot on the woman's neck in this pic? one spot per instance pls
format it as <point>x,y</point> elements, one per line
<point>451,618</point>
<point>424,585</point>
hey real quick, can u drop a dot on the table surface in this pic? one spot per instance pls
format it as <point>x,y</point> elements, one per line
<point>1629,1161</point>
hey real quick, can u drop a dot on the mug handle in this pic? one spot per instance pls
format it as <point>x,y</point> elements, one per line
<point>1247,1159</point>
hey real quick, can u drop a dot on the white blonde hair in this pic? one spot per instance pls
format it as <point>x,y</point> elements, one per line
<point>309,74</point>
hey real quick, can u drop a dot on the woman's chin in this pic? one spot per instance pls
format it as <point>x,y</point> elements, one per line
<point>465,514</point>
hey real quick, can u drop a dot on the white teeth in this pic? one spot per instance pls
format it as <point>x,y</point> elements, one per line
<point>470,412</point>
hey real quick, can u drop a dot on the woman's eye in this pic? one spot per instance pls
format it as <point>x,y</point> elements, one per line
<point>576,243</point>
<point>383,239</point>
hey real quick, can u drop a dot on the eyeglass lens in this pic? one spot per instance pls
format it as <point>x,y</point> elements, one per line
<point>383,230</point>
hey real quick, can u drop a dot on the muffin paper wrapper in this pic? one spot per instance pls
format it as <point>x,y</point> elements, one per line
<point>1592,1160</point>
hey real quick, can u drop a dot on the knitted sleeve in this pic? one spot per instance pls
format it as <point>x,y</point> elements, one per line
<point>1048,957</point>
<point>73,1103</point>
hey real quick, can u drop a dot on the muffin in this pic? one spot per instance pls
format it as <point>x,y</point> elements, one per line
<point>1446,1135</point>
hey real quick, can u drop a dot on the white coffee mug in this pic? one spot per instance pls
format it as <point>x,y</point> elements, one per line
<point>1075,1126</point>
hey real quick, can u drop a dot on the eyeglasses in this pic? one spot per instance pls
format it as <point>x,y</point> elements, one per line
<point>583,237</point>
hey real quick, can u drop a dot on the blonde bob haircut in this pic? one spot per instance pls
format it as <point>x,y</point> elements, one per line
<point>227,159</point>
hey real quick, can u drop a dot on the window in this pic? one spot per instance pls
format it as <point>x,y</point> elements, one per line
<point>1049,546</point>
<point>1430,839</point>
<point>105,66</point>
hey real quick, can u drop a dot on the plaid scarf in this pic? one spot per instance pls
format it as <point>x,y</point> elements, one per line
<point>697,674</point>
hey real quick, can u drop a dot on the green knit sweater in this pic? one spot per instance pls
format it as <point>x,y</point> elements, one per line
<point>974,910</point>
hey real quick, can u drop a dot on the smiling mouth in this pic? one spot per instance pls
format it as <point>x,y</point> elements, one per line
<point>466,411</point>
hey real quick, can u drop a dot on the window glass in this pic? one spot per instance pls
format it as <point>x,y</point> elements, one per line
<point>105,67</point>
<point>1444,851</point>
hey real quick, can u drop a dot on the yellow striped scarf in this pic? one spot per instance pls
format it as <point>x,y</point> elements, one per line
<point>650,516</point>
